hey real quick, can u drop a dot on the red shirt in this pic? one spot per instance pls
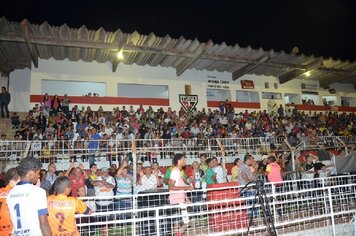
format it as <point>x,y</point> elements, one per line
<point>76,183</point>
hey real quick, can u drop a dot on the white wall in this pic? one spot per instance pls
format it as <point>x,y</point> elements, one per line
<point>19,88</point>
<point>26,82</point>
<point>95,72</point>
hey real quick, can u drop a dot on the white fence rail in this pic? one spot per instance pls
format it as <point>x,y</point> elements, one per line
<point>325,207</point>
<point>153,148</point>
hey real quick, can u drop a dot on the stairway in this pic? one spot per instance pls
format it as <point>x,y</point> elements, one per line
<point>6,128</point>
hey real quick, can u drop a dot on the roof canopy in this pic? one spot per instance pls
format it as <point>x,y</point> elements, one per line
<point>23,43</point>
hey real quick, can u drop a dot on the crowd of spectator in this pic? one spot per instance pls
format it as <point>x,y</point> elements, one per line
<point>54,119</point>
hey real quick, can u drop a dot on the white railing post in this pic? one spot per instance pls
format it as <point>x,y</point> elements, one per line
<point>274,204</point>
<point>157,222</point>
<point>355,223</point>
<point>323,182</point>
<point>331,211</point>
<point>209,148</point>
<point>325,204</point>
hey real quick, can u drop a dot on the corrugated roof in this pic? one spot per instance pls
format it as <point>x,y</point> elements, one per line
<point>23,42</point>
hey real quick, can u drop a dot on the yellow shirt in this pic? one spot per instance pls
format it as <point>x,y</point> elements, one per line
<point>234,173</point>
<point>61,212</point>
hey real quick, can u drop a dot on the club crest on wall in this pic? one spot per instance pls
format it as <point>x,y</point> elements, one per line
<point>188,102</point>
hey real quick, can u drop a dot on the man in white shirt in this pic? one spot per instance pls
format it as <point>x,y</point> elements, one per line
<point>195,130</point>
<point>220,171</point>
<point>148,181</point>
<point>51,174</point>
<point>27,203</point>
<point>104,185</point>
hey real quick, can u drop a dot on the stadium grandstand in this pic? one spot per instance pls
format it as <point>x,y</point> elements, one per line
<point>165,136</point>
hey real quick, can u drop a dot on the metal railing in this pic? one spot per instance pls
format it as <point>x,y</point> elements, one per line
<point>153,148</point>
<point>327,206</point>
<point>156,148</point>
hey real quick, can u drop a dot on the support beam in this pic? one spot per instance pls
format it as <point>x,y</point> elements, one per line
<point>115,63</point>
<point>247,68</point>
<point>295,72</point>
<point>186,63</point>
<point>334,70</point>
<point>49,41</point>
<point>292,74</point>
<point>31,48</point>
<point>351,77</point>
<point>314,65</point>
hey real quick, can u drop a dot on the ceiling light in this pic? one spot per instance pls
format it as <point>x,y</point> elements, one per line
<point>307,74</point>
<point>120,55</point>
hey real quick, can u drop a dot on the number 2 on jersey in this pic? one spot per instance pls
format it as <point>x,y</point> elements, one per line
<point>61,217</point>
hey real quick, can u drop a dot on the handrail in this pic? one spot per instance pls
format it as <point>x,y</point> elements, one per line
<point>162,147</point>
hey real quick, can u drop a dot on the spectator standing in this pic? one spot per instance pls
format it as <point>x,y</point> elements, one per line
<point>5,99</point>
<point>46,103</point>
<point>308,171</point>
<point>235,169</point>
<point>203,165</point>
<point>12,177</point>
<point>93,146</point>
<point>156,171</point>
<point>104,185</point>
<point>65,105</point>
<point>30,200</point>
<point>176,183</point>
<point>51,174</point>
<point>124,191</point>
<point>280,111</point>
<point>273,171</point>
<point>77,177</point>
<point>55,105</point>
<point>197,181</point>
<point>148,181</point>
<point>220,170</point>
<point>210,176</point>
<point>45,184</point>
<point>245,176</point>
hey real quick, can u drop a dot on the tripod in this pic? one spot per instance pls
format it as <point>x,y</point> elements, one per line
<point>262,199</point>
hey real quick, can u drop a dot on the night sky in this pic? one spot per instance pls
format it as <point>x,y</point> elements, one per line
<point>320,27</point>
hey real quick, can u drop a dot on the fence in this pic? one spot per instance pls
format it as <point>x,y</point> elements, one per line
<point>324,206</point>
<point>156,148</point>
<point>304,207</point>
<point>111,149</point>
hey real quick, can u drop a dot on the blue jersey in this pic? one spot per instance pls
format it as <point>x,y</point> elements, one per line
<point>93,143</point>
